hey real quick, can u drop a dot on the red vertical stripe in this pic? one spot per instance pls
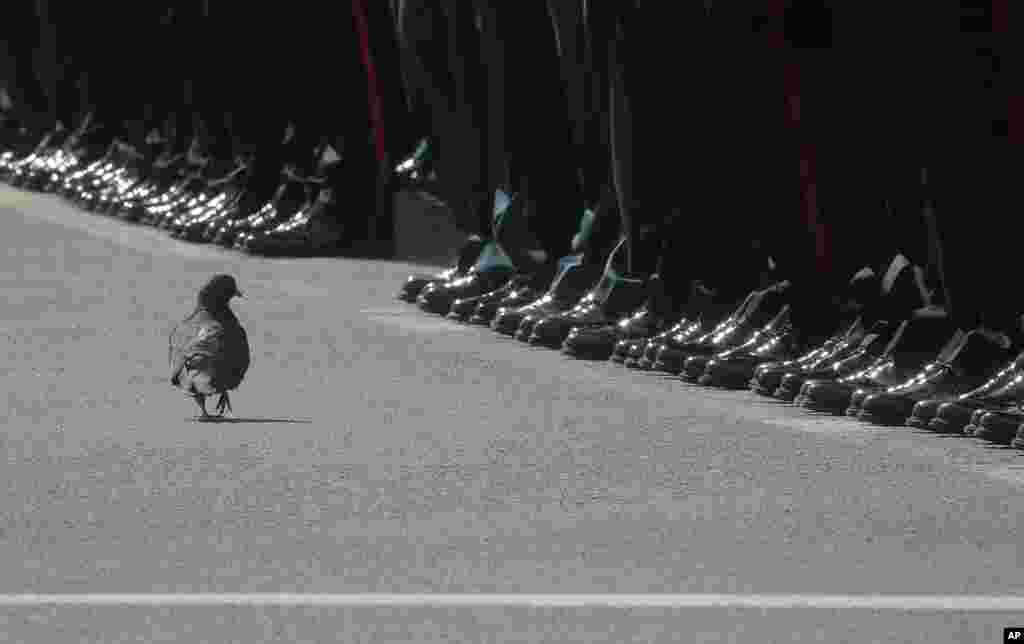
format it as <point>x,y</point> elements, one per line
<point>1001,16</point>
<point>792,92</point>
<point>1015,103</point>
<point>1015,119</point>
<point>776,14</point>
<point>372,81</point>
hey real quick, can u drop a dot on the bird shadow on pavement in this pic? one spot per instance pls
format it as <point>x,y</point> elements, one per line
<point>283,421</point>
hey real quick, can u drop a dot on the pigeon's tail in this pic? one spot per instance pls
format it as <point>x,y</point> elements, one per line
<point>198,375</point>
<point>201,383</point>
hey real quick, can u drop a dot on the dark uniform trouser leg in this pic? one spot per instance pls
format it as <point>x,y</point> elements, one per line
<point>772,152</point>
<point>128,30</point>
<point>18,43</point>
<point>972,163</point>
<point>444,45</point>
<point>650,121</point>
<point>262,103</point>
<point>418,113</point>
<point>866,179</point>
<point>62,76</point>
<point>536,113</point>
<point>584,73</point>
<point>727,124</point>
<point>181,87</point>
<point>211,91</point>
<point>160,102</point>
<point>594,151</point>
<point>399,133</point>
<point>386,112</point>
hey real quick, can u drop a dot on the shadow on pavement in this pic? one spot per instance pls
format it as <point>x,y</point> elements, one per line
<point>215,420</point>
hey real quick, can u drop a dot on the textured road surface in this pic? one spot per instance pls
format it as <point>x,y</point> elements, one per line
<point>378,449</point>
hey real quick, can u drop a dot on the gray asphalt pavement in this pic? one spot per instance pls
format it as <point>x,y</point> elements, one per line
<point>378,449</point>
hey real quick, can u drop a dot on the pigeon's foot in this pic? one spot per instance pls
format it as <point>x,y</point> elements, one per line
<point>224,404</point>
<point>201,401</point>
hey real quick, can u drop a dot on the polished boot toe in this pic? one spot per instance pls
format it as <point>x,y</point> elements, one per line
<point>693,367</point>
<point>551,332</point>
<point>435,299</point>
<point>767,378</point>
<point>591,344</point>
<point>487,310</point>
<point>647,355</point>
<point>792,385</point>
<point>952,417</point>
<point>735,369</point>
<point>627,351</point>
<point>965,369</point>
<point>414,284</point>
<point>846,395</point>
<point>1018,441</point>
<point>974,424</point>
<point>669,359</point>
<point>702,343</point>
<point>673,356</point>
<point>883,408</point>
<point>438,298</point>
<point>571,281</point>
<point>507,321</point>
<point>467,255</point>
<point>526,326</point>
<point>923,412</point>
<point>605,305</point>
<point>463,309</point>
<point>644,355</point>
<point>859,396</point>
<point>999,426</point>
<point>826,396</point>
<point>730,373</point>
<point>658,313</point>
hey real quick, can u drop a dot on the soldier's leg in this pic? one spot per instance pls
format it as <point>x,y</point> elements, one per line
<point>538,135</point>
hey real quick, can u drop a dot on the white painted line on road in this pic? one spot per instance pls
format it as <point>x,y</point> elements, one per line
<point>929,603</point>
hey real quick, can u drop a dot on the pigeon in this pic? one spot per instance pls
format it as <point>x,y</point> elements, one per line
<point>209,351</point>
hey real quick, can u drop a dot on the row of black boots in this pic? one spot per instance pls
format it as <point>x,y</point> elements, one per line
<point>888,362</point>
<point>242,203</point>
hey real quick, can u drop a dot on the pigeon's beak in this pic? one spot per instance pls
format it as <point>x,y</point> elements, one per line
<point>239,293</point>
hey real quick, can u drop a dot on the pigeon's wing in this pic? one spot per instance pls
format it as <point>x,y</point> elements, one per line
<point>243,358</point>
<point>198,355</point>
<point>177,342</point>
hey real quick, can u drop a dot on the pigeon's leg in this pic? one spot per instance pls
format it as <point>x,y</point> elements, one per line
<point>201,401</point>
<point>224,404</point>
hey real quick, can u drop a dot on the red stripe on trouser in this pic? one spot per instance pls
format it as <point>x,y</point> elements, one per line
<point>807,162</point>
<point>808,168</point>
<point>1015,119</point>
<point>1015,103</point>
<point>372,81</point>
<point>1000,16</point>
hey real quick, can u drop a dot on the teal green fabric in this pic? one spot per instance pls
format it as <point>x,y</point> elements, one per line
<point>503,209</point>
<point>493,256</point>
<point>423,152</point>
<point>585,230</point>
